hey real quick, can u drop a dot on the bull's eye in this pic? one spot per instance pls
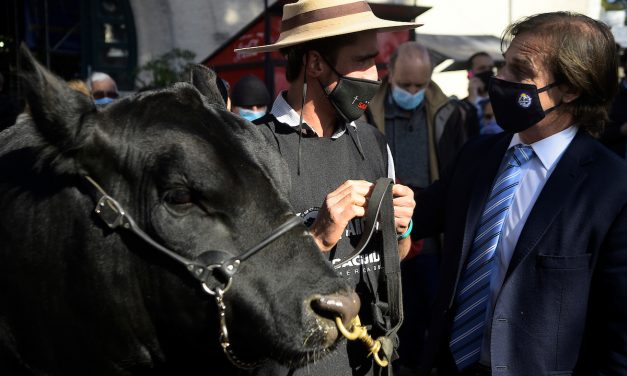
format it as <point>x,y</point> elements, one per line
<point>178,197</point>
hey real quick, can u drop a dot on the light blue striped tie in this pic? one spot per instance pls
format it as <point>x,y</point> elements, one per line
<point>473,290</point>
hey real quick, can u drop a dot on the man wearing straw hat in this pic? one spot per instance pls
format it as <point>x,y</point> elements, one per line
<point>330,46</point>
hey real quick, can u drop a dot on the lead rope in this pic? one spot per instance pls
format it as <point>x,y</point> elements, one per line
<point>360,332</point>
<point>378,205</point>
<point>302,109</point>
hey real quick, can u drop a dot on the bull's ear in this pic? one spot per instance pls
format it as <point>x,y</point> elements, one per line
<point>207,82</point>
<point>55,108</point>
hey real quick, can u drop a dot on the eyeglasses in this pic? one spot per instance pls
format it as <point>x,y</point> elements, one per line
<point>99,94</point>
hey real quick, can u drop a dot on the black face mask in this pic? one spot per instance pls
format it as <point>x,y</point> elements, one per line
<point>351,96</point>
<point>516,105</point>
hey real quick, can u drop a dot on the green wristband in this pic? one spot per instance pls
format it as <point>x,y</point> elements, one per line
<point>407,232</point>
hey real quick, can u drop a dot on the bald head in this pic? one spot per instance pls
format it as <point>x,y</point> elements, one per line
<point>410,50</point>
<point>410,67</point>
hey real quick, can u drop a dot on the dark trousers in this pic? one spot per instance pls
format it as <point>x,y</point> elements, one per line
<point>419,278</point>
<point>446,366</point>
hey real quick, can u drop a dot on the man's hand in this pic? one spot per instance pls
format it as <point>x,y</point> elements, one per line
<point>340,206</point>
<point>403,210</point>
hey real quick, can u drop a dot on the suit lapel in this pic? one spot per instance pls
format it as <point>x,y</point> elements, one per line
<point>567,175</point>
<point>480,189</point>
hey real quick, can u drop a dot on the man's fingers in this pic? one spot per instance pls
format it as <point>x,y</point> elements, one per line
<point>358,199</point>
<point>403,206</point>
<point>404,202</point>
<point>401,224</point>
<point>358,211</point>
<point>360,186</point>
<point>403,212</point>
<point>403,198</point>
<point>351,206</point>
<point>355,187</point>
<point>347,208</point>
<point>399,190</point>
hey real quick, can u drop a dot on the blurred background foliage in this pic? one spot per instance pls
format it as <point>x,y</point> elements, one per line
<point>165,69</point>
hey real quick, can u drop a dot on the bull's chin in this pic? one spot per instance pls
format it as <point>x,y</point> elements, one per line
<point>330,332</point>
<point>321,339</point>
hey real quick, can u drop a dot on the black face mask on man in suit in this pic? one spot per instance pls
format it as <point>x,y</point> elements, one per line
<point>516,105</point>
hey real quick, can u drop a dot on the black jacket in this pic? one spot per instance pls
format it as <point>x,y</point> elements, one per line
<point>612,137</point>
<point>561,308</point>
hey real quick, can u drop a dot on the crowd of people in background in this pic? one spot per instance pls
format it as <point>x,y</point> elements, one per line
<point>250,98</point>
<point>417,100</point>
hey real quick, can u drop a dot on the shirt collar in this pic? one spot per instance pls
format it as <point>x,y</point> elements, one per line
<point>284,113</point>
<point>550,149</point>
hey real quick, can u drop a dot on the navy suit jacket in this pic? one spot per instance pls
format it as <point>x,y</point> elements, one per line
<point>562,308</point>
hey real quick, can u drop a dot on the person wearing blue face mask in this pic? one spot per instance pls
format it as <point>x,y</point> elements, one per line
<point>250,98</point>
<point>424,130</point>
<point>406,100</point>
<point>103,88</point>
<point>488,124</point>
<point>423,127</point>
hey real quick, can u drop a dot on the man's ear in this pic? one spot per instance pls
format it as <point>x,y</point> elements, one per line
<point>55,108</point>
<point>569,93</point>
<point>205,81</point>
<point>315,65</point>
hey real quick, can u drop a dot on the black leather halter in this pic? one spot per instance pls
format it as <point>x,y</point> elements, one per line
<point>214,269</point>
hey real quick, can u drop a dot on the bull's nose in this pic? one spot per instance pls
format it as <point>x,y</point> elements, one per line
<point>344,305</point>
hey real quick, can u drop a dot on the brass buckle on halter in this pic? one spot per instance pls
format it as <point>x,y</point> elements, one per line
<point>359,332</point>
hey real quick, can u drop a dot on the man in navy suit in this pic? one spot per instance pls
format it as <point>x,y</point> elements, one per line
<point>534,263</point>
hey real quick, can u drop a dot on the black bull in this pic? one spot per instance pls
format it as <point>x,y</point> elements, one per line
<point>79,298</point>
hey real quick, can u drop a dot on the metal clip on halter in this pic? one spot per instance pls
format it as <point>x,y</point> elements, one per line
<point>360,332</point>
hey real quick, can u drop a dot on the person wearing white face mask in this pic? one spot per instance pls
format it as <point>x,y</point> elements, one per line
<point>424,130</point>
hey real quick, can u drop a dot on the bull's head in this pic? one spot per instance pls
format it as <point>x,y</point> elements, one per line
<point>195,178</point>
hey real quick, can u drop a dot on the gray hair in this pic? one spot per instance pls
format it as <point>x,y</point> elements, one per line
<point>99,76</point>
<point>410,49</point>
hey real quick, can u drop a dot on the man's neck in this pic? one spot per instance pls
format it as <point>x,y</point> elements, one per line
<point>318,112</point>
<point>546,128</point>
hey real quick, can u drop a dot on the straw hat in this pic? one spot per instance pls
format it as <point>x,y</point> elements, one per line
<point>308,20</point>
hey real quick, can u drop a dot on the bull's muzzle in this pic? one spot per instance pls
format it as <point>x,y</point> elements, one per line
<point>345,306</point>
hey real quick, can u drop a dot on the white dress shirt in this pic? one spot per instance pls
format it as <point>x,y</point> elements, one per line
<point>534,175</point>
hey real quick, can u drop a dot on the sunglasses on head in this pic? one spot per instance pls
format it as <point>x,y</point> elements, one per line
<point>99,94</point>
